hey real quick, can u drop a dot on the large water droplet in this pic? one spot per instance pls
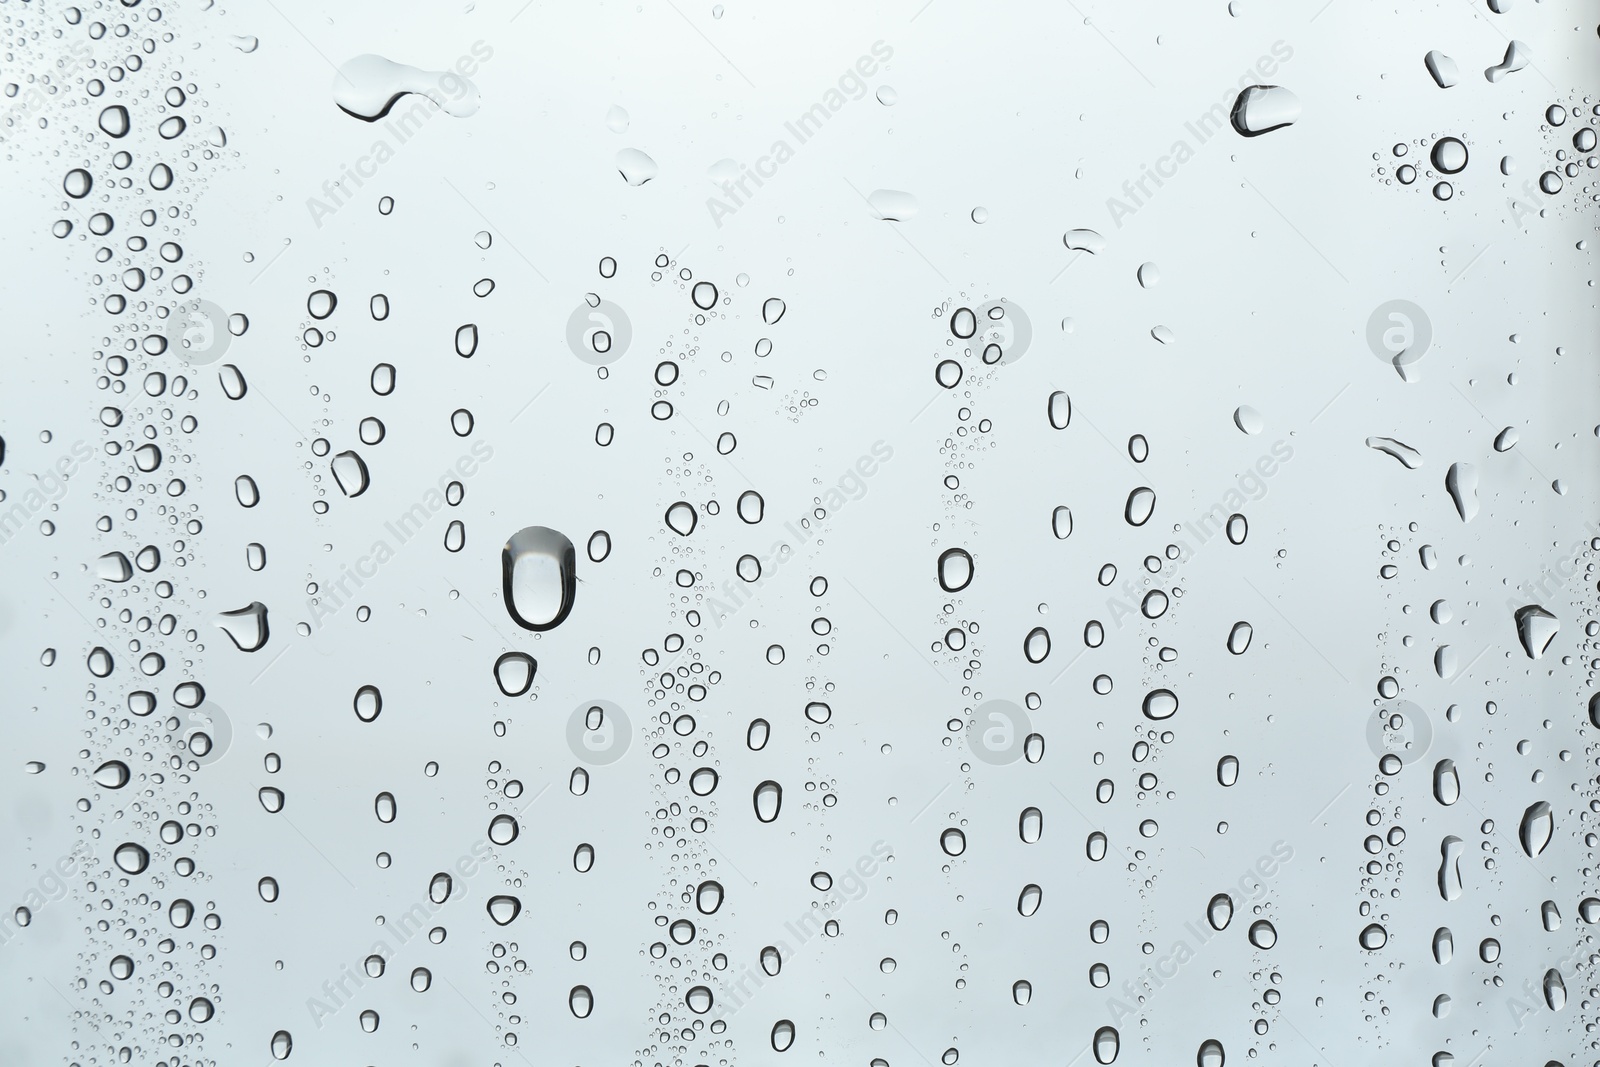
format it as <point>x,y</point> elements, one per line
<point>1160,704</point>
<point>513,673</point>
<point>768,800</point>
<point>635,166</point>
<point>1107,1042</point>
<point>682,518</point>
<point>367,86</point>
<point>246,626</point>
<point>1537,827</point>
<point>538,568</point>
<point>1263,108</point>
<point>708,897</point>
<point>503,909</point>
<point>1461,482</point>
<point>1140,506</point>
<point>1536,628</point>
<point>955,569</point>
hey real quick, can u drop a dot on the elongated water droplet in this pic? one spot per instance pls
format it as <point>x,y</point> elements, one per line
<point>1555,990</point>
<point>1140,506</point>
<point>1059,410</point>
<point>1537,827</point>
<point>1461,482</point>
<point>708,897</point>
<point>1450,850</point>
<point>1409,457</point>
<point>367,86</point>
<point>1263,108</point>
<point>1036,646</point>
<point>1107,1042</point>
<point>539,579</point>
<point>768,800</point>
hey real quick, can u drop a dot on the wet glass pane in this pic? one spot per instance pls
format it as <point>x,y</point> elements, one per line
<point>887,534</point>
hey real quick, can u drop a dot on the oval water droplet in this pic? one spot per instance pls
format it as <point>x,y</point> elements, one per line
<point>1059,410</point>
<point>1107,1042</point>
<point>708,897</point>
<point>955,569</point>
<point>1140,506</point>
<point>1030,825</point>
<point>1263,934</point>
<point>131,858</point>
<point>681,518</point>
<point>1239,638</point>
<point>1227,770</point>
<point>768,800</point>
<point>756,736</point>
<point>1061,522</point>
<point>503,829</point>
<point>1028,900</point>
<point>1219,913</point>
<point>539,580</point>
<point>1160,704</point>
<point>1555,990</point>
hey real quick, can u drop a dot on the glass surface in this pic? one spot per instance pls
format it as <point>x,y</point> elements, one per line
<point>869,533</point>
